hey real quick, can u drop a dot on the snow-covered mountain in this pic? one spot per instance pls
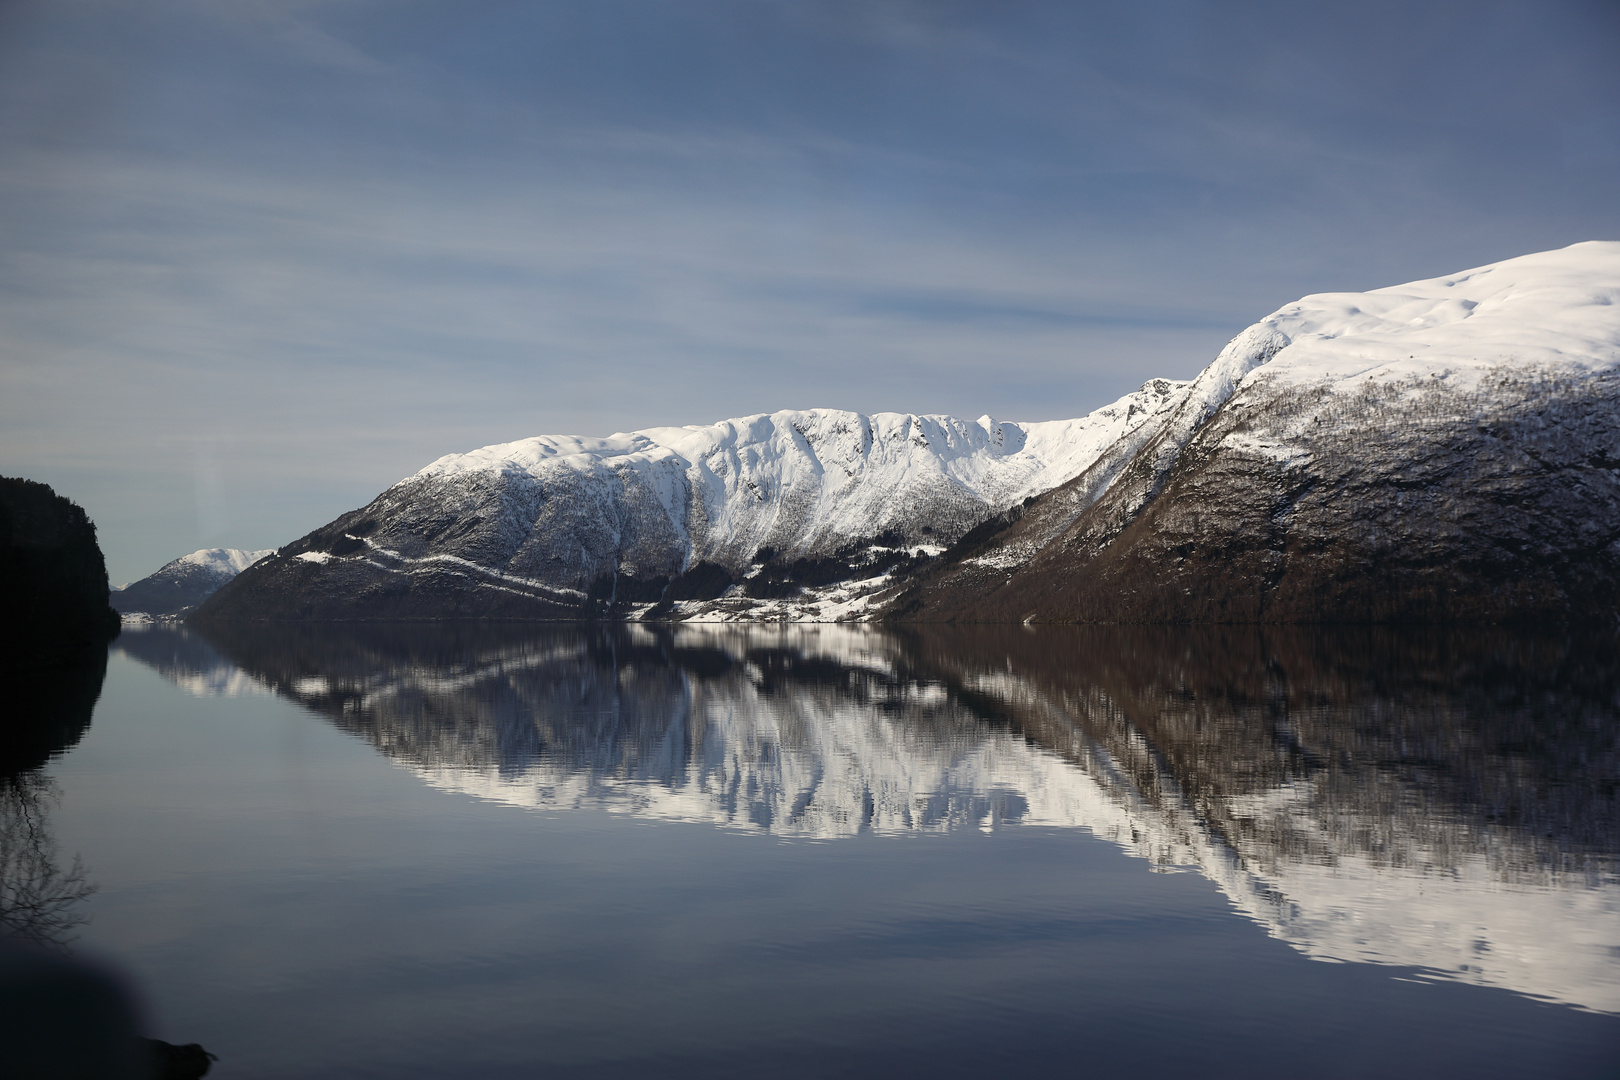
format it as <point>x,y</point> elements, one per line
<point>1441,450</point>
<point>1445,449</point>
<point>1434,802</point>
<point>547,526</point>
<point>182,584</point>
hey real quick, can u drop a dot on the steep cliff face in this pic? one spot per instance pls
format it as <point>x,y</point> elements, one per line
<point>555,526</point>
<point>1442,450</point>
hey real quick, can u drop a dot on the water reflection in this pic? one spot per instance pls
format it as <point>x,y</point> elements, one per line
<point>1435,800</point>
<point>188,661</point>
<point>39,896</point>
<point>50,699</point>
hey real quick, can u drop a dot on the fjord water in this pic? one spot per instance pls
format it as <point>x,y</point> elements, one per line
<point>420,851</point>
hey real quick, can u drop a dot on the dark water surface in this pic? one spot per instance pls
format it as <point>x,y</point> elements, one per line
<point>819,851</point>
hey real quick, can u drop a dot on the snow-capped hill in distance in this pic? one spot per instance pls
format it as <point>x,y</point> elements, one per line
<point>1444,449</point>
<point>182,584</point>
<point>222,562</point>
<point>545,526</point>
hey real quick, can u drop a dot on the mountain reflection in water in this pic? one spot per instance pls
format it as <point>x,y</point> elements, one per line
<point>1430,799</point>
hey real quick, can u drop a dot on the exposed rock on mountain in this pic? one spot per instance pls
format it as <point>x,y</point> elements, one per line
<point>558,526</point>
<point>181,585</point>
<point>1442,450</point>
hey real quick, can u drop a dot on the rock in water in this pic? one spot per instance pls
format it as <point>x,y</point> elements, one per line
<point>1443,450</point>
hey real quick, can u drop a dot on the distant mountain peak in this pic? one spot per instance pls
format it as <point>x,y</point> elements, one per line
<point>181,584</point>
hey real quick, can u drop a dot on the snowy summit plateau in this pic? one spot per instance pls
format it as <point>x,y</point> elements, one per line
<point>1439,450</point>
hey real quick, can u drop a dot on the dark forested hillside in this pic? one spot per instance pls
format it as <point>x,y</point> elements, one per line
<point>53,579</point>
<point>54,622</point>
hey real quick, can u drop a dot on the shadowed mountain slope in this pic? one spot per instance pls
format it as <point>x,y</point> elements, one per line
<point>180,585</point>
<point>1439,451</point>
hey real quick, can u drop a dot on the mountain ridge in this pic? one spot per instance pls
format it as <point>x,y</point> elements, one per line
<point>531,528</point>
<point>1440,450</point>
<point>1443,449</point>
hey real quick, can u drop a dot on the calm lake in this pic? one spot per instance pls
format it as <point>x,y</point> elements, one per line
<point>470,851</point>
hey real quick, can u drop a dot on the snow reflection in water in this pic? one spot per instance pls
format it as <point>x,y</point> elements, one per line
<point>1425,799</point>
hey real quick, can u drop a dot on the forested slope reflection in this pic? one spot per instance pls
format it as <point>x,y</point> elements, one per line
<point>50,699</point>
<point>1433,799</point>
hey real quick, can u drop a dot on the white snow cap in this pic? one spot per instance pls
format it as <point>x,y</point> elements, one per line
<point>1001,460</point>
<point>225,561</point>
<point>1553,309</point>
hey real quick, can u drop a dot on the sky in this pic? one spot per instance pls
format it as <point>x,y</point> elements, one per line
<point>260,259</point>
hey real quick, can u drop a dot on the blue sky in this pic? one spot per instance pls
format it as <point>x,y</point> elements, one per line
<point>259,260</point>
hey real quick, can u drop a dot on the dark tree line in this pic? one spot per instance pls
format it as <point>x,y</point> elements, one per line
<point>53,580</point>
